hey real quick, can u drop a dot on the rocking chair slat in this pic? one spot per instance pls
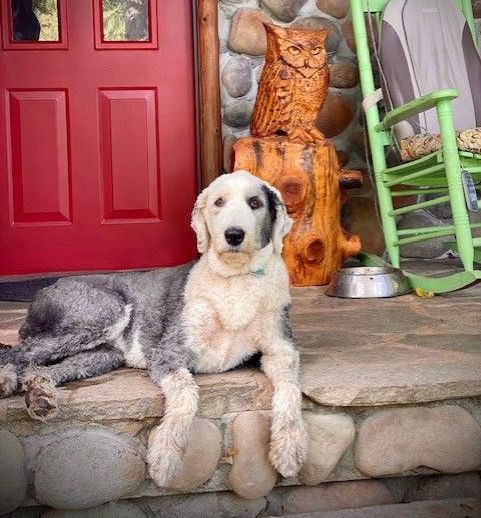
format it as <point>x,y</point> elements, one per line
<point>421,205</point>
<point>427,230</point>
<point>415,165</point>
<point>423,237</point>
<point>413,192</point>
<point>424,172</point>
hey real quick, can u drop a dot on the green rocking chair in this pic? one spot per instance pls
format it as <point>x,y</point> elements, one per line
<point>431,75</point>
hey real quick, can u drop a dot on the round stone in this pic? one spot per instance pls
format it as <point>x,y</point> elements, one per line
<point>13,478</point>
<point>201,457</point>
<point>247,34</point>
<point>237,76</point>
<point>238,114</point>
<point>361,219</point>
<point>336,115</point>
<point>252,475</point>
<point>336,8</point>
<point>329,436</point>
<point>284,10</point>
<point>445,438</point>
<point>88,468</point>
<point>344,74</point>
<point>318,23</point>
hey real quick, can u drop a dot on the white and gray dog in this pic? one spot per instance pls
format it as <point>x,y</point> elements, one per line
<point>207,316</point>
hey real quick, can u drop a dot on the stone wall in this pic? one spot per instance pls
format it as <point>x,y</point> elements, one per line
<point>242,47</point>
<point>83,463</point>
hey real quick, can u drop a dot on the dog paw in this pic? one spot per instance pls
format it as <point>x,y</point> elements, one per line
<point>288,449</point>
<point>8,380</point>
<point>41,398</point>
<point>164,458</point>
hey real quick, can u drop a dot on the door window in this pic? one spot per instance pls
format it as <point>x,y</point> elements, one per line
<point>33,24</point>
<point>125,24</point>
<point>34,20</point>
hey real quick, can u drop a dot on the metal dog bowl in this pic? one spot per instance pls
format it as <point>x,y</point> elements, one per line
<point>368,282</point>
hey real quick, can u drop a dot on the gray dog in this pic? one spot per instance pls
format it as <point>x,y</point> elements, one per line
<point>207,316</point>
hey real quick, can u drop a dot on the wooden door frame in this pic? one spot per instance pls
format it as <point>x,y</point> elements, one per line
<point>209,128</point>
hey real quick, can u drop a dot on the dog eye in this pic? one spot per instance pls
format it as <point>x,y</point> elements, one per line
<point>219,202</point>
<point>254,203</point>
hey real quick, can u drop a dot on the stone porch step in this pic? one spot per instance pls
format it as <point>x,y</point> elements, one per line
<point>358,353</point>
<point>391,386</point>
<point>458,508</point>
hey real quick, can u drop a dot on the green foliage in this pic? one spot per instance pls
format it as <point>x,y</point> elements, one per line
<point>45,6</point>
<point>114,20</point>
<point>47,14</point>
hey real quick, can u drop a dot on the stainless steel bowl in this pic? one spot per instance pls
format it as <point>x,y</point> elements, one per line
<point>368,282</point>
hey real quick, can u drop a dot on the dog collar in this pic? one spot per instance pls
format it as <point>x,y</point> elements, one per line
<point>259,272</point>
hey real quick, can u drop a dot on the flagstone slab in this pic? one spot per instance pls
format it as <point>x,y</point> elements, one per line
<point>387,351</point>
<point>354,353</point>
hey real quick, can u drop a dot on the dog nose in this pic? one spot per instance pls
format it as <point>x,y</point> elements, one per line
<point>234,236</point>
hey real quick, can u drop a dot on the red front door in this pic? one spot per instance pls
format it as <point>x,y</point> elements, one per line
<point>97,135</point>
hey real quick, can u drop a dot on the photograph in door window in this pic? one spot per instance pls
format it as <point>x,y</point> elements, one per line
<point>125,20</point>
<point>35,20</point>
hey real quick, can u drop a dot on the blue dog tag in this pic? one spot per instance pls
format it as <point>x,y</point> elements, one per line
<point>470,191</point>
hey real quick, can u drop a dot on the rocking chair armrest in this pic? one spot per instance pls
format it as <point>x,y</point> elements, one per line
<point>422,104</point>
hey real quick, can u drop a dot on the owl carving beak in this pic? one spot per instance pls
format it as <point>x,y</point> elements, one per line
<point>308,71</point>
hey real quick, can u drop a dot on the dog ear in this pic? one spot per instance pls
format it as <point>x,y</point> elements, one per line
<point>198,223</point>
<point>281,222</point>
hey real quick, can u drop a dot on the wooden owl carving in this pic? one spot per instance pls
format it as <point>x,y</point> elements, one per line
<point>293,86</point>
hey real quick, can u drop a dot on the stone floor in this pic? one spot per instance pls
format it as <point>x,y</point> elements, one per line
<point>354,352</point>
<point>392,385</point>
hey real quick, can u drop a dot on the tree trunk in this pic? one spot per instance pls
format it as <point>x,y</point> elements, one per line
<point>309,179</point>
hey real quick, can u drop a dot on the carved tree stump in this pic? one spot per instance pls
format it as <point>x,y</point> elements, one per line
<point>309,178</point>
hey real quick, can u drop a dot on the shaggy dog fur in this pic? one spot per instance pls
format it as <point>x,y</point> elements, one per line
<point>204,317</point>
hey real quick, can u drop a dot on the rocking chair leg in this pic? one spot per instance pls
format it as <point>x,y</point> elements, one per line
<point>389,226</point>
<point>463,233</point>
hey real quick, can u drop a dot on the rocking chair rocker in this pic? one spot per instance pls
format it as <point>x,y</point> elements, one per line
<point>431,75</point>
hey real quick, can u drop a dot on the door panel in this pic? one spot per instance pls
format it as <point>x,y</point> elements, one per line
<point>37,134</point>
<point>127,195</point>
<point>97,146</point>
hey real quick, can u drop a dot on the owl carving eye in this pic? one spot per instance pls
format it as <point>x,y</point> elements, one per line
<point>316,50</point>
<point>293,50</point>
